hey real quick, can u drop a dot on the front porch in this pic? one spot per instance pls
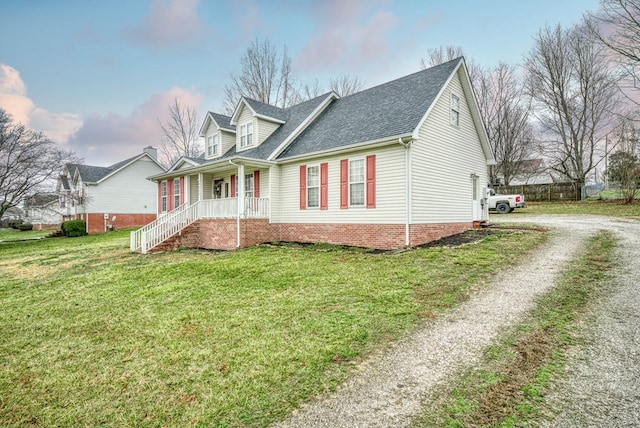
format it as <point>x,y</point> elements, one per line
<point>174,222</point>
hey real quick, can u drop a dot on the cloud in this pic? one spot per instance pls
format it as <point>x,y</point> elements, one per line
<point>106,139</point>
<point>348,34</point>
<point>15,101</point>
<point>168,23</point>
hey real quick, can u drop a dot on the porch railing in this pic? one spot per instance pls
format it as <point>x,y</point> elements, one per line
<point>175,221</point>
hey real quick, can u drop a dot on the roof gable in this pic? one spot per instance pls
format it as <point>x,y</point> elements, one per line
<point>222,122</point>
<point>259,109</point>
<point>95,174</point>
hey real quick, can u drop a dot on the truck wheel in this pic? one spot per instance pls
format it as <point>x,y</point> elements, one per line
<point>503,208</point>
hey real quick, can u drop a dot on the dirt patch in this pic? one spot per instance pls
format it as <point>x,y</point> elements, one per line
<point>498,400</point>
<point>467,237</point>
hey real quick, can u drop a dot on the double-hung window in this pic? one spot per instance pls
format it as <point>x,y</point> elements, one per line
<point>163,196</point>
<point>246,134</point>
<point>313,186</point>
<point>248,185</point>
<point>212,145</point>
<point>356,182</point>
<point>455,110</point>
<point>176,192</point>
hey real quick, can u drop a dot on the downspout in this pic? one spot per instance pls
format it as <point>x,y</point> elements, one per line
<point>239,199</point>
<point>407,189</point>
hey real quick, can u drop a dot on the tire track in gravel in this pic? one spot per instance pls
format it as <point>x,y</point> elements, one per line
<point>388,389</point>
<point>601,386</point>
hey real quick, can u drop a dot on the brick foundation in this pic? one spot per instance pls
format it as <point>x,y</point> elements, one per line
<point>96,222</point>
<point>222,234</point>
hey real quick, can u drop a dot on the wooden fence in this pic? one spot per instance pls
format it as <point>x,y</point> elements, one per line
<point>543,192</point>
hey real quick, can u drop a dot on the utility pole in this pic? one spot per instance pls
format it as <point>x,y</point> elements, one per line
<point>606,158</point>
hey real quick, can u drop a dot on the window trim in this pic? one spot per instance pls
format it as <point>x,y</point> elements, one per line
<point>363,182</point>
<point>309,187</point>
<point>455,110</point>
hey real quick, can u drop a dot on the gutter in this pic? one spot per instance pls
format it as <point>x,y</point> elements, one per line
<point>407,188</point>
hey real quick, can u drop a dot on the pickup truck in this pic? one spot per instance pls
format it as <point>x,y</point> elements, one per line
<point>504,204</point>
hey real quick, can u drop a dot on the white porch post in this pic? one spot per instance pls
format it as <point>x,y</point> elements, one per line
<point>200,187</point>
<point>240,190</point>
<point>187,188</point>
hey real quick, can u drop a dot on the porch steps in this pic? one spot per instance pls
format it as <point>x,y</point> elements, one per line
<point>189,237</point>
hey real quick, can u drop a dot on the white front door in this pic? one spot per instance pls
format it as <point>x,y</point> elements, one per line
<point>477,208</point>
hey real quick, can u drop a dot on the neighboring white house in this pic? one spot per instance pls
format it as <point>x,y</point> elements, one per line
<point>42,210</point>
<point>111,197</point>
<point>396,165</point>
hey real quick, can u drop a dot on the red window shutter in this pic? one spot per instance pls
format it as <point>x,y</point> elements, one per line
<point>256,184</point>
<point>344,183</point>
<point>159,197</point>
<point>371,181</point>
<point>170,195</point>
<point>324,186</point>
<point>182,180</point>
<point>233,186</point>
<point>303,187</point>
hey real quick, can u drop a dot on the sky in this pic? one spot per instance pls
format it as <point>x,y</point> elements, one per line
<point>96,76</point>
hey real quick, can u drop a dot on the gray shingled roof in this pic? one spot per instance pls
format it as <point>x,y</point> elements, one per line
<point>387,110</point>
<point>222,120</point>
<point>267,110</point>
<point>65,182</point>
<point>93,174</point>
<point>39,200</point>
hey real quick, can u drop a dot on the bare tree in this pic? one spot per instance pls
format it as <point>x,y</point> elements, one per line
<point>575,97</point>
<point>505,110</point>
<point>181,133</point>
<point>439,55</point>
<point>345,85</point>
<point>29,162</point>
<point>266,76</point>
<point>624,164</point>
<point>617,26</point>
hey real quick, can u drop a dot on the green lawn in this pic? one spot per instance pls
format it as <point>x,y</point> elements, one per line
<point>595,207</point>
<point>93,335</point>
<point>17,235</point>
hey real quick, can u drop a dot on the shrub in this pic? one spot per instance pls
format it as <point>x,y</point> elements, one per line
<point>15,224</point>
<point>25,226</point>
<point>73,228</point>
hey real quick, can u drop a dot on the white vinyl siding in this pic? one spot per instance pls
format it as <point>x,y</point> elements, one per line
<point>390,205</point>
<point>443,159</point>
<point>264,129</point>
<point>127,191</point>
<point>228,140</point>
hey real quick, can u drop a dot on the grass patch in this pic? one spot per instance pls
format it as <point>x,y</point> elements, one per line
<point>93,335</point>
<point>611,208</point>
<point>17,235</point>
<point>506,389</point>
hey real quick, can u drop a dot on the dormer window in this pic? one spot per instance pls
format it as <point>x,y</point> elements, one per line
<point>212,146</point>
<point>246,134</point>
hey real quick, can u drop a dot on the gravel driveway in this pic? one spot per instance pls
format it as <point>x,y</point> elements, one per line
<point>388,389</point>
